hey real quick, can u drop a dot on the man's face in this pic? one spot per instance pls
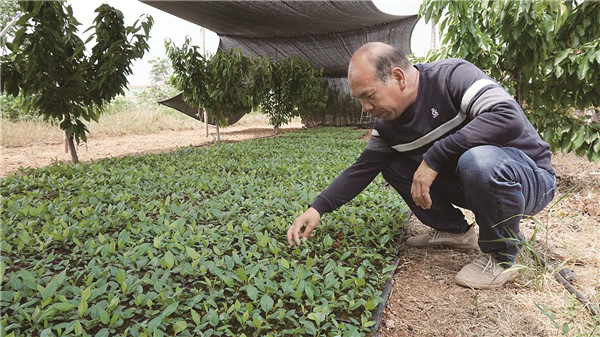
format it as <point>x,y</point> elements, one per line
<point>382,100</point>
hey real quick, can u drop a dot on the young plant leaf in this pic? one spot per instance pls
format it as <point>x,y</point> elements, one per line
<point>252,292</point>
<point>195,316</point>
<point>192,253</point>
<point>266,303</point>
<point>54,284</point>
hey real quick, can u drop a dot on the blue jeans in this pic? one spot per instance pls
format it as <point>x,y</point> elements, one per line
<point>498,184</point>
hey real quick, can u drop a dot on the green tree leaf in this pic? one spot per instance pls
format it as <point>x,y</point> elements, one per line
<point>179,326</point>
<point>54,284</point>
<point>168,260</point>
<point>104,332</point>
<point>195,316</point>
<point>192,253</point>
<point>213,317</point>
<point>171,308</point>
<point>120,276</point>
<point>241,273</point>
<point>370,305</point>
<point>64,306</point>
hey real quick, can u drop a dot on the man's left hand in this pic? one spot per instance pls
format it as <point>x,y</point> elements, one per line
<point>422,180</point>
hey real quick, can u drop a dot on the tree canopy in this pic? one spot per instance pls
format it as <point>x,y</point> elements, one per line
<point>225,84</point>
<point>546,53</point>
<point>49,68</point>
<point>296,90</point>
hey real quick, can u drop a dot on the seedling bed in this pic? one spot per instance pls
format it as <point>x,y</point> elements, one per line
<point>192,243</point>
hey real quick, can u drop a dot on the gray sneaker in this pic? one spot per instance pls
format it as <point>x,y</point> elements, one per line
<point>486,273</point>
<point>433,238</point>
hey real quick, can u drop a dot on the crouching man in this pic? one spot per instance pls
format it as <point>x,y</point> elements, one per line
<point>445,135</point>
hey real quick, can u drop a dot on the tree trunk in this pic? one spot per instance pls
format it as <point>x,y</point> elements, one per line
<point>519,87</point>
<point>277,125</point>
<point>434,36</point>
<point>218,133</point>
<point>72,148</point>
<point>71,145</point>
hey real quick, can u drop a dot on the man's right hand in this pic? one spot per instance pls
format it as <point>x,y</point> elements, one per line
<point>303,226</point>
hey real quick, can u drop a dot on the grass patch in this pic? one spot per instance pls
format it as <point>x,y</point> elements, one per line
<point>28,132</point>
<point>124,121</point>
<point>141,122</point>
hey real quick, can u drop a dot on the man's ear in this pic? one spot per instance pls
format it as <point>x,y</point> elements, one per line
<point>399,76</point>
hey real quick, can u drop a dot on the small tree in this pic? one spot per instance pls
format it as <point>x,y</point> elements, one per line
<point>295,91</point>
<point>48,66</point>
<point>160,87</point>
<point>224,84</point>
<point>546,52</point>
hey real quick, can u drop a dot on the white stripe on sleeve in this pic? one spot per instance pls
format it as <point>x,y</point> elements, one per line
<point>472,91</point>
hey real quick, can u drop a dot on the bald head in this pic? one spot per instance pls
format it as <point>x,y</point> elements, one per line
<point>383,80</point>
<point>381,58</point>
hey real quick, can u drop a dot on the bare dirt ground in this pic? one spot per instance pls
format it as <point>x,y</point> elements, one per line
<point>42,154</point>
<point>424,300</point>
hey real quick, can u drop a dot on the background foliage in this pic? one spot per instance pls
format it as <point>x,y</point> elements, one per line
<point>181,244</point>
<point>228,83</point>
<point>160,85</point>
<point>8,10</point>
<point>547,53</point>
<point>340,109</point>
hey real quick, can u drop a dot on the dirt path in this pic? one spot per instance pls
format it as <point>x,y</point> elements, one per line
<point>38,155</point>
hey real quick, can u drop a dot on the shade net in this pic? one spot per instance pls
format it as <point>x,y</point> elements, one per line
<point>324,32</point>
<point>177,103</point>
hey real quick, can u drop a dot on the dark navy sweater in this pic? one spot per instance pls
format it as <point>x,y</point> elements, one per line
<point>458,107</point>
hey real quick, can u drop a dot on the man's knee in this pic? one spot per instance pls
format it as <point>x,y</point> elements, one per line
<point>478,163</point>
<point>399,175</point>
<point>387,175</point>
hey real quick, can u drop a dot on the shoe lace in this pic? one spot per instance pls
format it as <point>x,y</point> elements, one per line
<point>484,261</point>
<point>435,234</point>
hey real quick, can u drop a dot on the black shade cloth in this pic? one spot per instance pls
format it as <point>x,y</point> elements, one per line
<point>324,32</point>
<point>178,104</point>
